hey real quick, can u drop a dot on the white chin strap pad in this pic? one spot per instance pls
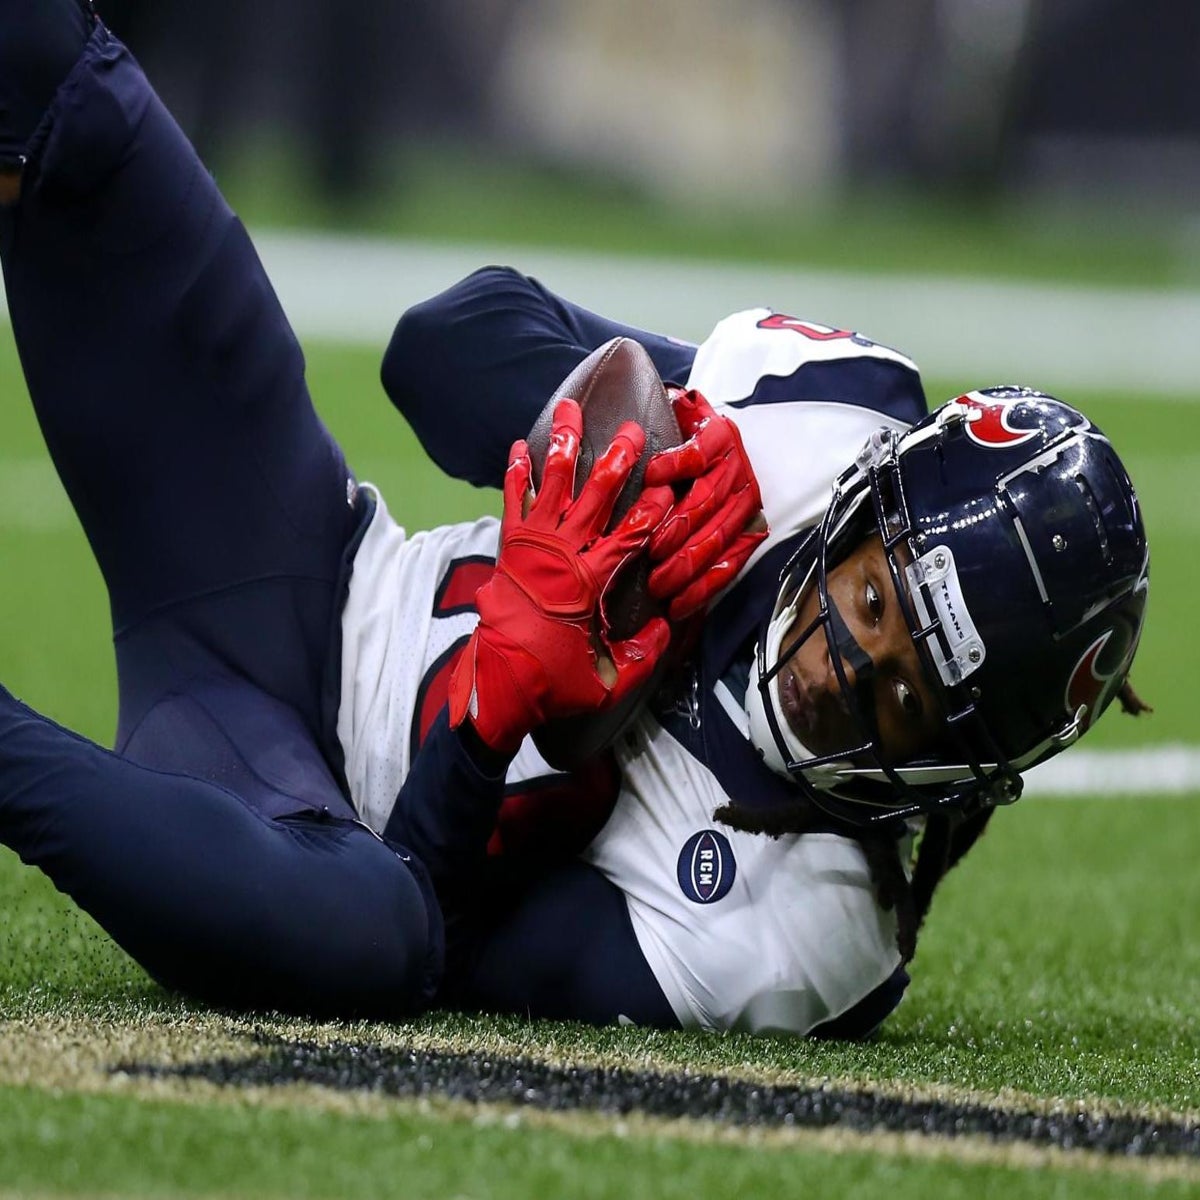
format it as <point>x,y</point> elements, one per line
<point>761,736</point>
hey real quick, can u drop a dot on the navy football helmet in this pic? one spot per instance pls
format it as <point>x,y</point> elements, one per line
<point>1016,548</point>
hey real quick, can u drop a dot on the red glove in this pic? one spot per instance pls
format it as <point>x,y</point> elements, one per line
<point>714,528</point>
<point>534,655</point>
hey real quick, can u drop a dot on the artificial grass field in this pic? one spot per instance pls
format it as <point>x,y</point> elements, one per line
<point>1059,971</point>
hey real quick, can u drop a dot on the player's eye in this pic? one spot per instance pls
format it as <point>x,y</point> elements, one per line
<point>907,698</point>
<point>874,602</point>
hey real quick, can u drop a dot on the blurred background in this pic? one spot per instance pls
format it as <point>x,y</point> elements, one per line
<point>696,125</point>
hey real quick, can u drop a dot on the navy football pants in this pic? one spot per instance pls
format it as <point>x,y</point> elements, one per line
<point>216,844</point>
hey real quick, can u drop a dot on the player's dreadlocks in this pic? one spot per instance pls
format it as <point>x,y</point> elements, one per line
<point>944,841</point>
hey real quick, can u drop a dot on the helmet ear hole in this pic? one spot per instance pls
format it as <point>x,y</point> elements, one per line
<point>1121,489</point>
<point>1093,510</point>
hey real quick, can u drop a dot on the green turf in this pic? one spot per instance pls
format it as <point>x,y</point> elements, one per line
<point>1060,962</point>
<point>1061,959</point>
<point>104,1144</point>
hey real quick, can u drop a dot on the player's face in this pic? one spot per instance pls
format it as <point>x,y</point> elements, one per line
<point>906,712</point>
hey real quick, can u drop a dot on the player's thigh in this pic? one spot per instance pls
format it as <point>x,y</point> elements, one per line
<point>187,715</point>
<point>306,910</point>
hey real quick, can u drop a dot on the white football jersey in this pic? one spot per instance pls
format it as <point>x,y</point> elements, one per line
<point>744,931</point>
<point>409,606</point>
<point>741,931</point>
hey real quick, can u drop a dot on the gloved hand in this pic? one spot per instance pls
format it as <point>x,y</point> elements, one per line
<point>538,652</point>
<point>715,526</point>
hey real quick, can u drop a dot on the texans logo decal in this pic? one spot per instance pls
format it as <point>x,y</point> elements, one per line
<point>987,421</point>
<point>1087,685</point>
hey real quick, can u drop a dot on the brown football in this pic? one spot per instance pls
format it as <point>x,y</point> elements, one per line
<point>617,382</point>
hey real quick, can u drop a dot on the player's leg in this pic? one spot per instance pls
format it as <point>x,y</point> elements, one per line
<point>563,948</point>
<point>309,912</point>
<point>488,353</point>
<point>167,382</point>
<point>171,394</point>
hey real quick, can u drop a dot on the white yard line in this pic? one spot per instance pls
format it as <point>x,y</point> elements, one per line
<point>968,331</point>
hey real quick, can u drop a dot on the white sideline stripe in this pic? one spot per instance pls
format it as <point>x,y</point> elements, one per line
<point>980,330</point>
<point>973,331</point>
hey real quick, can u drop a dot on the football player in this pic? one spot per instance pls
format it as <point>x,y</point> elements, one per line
<point>942,602</point>
<point>323,720</point>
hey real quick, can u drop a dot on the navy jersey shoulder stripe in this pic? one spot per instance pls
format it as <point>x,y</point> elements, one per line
<point>879,384</point>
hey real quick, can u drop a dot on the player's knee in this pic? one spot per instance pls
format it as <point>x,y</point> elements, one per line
<point>329,954</point>
<point>403,360</point>
<point>395,951</point>
<point>39,43</point>
<point>427,336</point>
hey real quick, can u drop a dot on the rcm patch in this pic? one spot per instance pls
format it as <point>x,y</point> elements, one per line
<point>706,868</point>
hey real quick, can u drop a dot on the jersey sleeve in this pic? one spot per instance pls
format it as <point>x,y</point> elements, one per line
<point>485,355</point>
<point>762,357</point>
<point>520,937</point>
<point>445,812</point>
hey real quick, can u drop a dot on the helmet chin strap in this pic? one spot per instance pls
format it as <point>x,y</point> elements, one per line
<point>762,736</point>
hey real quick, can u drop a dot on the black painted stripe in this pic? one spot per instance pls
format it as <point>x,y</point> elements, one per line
<point>481,1078</point>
